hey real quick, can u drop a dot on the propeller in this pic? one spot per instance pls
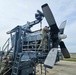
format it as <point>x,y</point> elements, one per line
<point>62,26</point>
<point>51,57</point>
<point>56,35</point>
<point>64,50</point>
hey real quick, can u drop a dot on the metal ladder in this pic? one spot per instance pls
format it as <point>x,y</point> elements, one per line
<point>16,64</point>
<point>17,59</point>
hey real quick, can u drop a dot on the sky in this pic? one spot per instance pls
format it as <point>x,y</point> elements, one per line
<point>18,12</point>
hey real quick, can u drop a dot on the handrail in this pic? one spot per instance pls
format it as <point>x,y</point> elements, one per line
<point>6,47</point>
<point>6,44</point>
<point>7,71</point>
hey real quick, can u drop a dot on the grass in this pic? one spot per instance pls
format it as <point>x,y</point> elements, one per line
<point>70,59</point>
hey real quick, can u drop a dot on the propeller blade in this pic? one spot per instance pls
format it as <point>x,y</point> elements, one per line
<point>50,18</point>
<point>64,50</point>
<point>51,58</point>
<point>62,26</point>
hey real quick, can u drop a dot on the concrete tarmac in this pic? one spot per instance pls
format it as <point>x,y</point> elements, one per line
<point>61,68</point>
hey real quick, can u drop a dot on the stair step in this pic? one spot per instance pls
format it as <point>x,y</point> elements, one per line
<point>15,67</point>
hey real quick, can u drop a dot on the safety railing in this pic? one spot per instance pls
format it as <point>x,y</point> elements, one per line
<point>6,45</point>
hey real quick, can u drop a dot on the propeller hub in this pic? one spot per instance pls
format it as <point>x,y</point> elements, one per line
<point>62,36</point>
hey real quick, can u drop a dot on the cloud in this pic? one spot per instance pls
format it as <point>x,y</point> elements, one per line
<point>18,12</point>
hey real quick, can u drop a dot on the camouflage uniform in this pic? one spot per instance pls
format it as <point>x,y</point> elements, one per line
<point>4,66</point>
<point>44,39</point>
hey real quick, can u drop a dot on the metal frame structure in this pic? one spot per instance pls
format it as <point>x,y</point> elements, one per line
<point>23,56</point>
